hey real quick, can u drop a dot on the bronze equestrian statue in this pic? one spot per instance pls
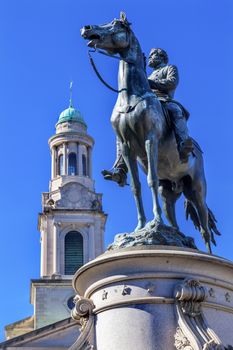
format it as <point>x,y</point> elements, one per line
<point>145,136</point>
<point>163,82</point>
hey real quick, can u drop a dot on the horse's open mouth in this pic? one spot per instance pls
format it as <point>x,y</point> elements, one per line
<point>93,39</point>
<point>94,36</point>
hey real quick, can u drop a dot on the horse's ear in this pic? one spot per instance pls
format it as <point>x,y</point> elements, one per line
<point>123,17</point>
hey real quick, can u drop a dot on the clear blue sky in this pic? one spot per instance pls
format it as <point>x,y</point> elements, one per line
<point>41,50</point>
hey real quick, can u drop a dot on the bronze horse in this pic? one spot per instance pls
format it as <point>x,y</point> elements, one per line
<point>144,136</point>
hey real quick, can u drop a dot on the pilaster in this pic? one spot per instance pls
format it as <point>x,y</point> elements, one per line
<point>56,252</point>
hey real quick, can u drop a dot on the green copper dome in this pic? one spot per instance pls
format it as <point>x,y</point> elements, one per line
<point>71,115</point>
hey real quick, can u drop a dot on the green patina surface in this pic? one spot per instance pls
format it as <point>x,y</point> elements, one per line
<point>71,115</point>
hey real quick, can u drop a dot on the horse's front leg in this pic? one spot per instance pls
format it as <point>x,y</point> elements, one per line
<point>151,146</point>
<point>132,166</point>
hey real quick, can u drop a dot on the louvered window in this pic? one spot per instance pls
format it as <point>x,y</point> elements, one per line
<point>73,252</point>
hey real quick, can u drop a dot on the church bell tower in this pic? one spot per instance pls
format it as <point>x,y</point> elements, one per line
<point>72,220</point>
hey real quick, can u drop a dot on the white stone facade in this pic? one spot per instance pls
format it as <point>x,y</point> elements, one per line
<point>54,227</point>
<point>50,300</point>
<point>71,205</point>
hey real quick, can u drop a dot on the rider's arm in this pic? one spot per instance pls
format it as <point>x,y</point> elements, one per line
<point>170,82</point>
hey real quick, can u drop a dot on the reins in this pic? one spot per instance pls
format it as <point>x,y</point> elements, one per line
<point>96,70</point>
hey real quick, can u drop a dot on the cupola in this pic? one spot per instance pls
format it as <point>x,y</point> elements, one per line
<point>71,150</point>
<point>71,114</point>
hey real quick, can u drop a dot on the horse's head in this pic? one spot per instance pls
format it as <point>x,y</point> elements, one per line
<point>112,37</point>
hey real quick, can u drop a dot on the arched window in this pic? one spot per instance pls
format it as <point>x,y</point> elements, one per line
<point>73,252</point>
<point>72,164</point>
<point>61,165</point>
<point>84,162</point>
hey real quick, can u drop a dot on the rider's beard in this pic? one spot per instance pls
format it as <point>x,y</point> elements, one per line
<point>154,63</point>
<point>157,63</point>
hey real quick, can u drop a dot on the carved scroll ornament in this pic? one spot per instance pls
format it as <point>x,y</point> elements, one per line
<point>83,312</point>
<point>193,332</point>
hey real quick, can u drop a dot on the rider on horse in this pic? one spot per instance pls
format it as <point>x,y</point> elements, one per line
<point>163,82</point>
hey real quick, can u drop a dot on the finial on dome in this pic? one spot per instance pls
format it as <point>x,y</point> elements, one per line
<point>71,93</point>
<point>71,114</point>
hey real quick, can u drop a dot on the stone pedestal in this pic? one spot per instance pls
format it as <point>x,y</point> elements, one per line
<point>155,298</point>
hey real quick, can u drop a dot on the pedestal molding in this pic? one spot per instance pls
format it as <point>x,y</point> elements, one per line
<point>217,306</point>
<point>169,252</point>
<point>156,300</point>
<point>133,301</point>
<point>165,275</point>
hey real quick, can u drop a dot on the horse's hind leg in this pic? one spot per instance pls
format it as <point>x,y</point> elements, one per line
<point>196,193</point>
<point>152,154</point>
<point>131,163</point>
<point>169,198</point>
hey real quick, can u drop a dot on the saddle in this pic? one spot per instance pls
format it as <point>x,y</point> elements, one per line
<point>167,114</point>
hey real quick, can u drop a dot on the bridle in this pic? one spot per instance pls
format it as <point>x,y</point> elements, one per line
<point>96,70</point>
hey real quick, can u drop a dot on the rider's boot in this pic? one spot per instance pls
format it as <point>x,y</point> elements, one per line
<point>118,175</point>
<point>184,141</point>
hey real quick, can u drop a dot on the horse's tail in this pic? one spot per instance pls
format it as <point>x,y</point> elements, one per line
<point>190,211</point>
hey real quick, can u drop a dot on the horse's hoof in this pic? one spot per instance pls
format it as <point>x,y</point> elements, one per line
<point>151,224</point>
<point>140,226</point>
<point>158,221</point>
<point>154,223</point>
